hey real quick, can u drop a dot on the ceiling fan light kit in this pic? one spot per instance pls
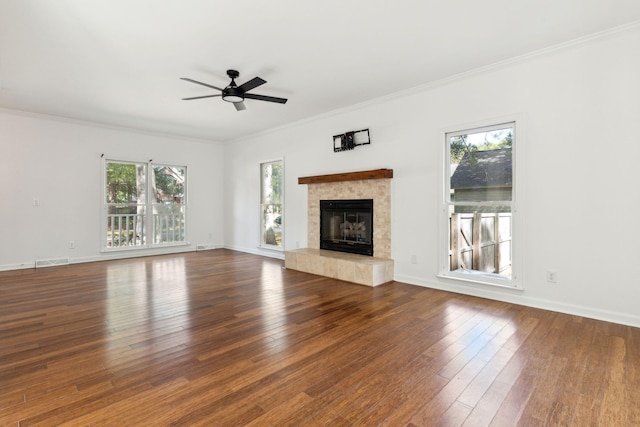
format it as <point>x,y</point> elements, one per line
<point>237,94</point>
<point>230,97</point>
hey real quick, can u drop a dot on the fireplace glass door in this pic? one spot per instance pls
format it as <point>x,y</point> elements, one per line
<point>347,226</point>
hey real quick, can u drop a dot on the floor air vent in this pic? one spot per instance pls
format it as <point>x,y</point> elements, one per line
<point>51,262</point>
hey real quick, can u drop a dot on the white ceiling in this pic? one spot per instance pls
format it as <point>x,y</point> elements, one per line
<point>118,62</point>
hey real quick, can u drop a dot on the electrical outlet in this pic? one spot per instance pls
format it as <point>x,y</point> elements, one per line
<point>414,259</point>
<point>552,276</point>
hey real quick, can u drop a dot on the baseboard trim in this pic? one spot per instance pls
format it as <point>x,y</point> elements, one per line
<point>516,297</point>
<point>108,256</point>
<point>21,266</point>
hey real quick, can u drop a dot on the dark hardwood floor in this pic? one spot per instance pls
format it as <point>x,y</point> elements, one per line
<point>222,338</point>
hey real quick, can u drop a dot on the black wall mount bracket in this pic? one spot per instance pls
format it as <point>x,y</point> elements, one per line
<point>350,140</point>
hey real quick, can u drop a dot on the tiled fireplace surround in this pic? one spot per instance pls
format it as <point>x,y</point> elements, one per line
<point>362,269</point>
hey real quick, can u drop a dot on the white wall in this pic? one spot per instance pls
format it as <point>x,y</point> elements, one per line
<point>577,109</point>
<point>59,163</point>
<point>578,197</point>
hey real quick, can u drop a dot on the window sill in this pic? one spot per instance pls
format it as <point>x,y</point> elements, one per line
<point>271,248</point>
<point>480,278</point>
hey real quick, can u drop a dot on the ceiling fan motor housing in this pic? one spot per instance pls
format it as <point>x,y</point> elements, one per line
<point>233,93</point>
<point>237,94</point>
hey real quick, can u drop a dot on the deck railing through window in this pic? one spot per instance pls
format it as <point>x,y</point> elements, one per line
<point>127,230</point>
<point>168,228</point>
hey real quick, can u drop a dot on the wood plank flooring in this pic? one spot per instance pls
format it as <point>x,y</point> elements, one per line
<point>223,338</point>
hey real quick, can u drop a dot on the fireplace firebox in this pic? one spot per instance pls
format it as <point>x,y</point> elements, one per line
<point>347,226</point>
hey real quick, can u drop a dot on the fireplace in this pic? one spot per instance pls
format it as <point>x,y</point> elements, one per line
<point>347,226</point>
<point>373,186</point>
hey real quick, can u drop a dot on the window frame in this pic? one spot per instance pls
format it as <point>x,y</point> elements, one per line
<point>261,241</point>
<point>150,204</point>
<point>446,204</point>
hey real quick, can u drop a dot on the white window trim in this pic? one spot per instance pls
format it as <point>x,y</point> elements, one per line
<point>104,206</point>
<point>282,202</point>
<point>516,230</point>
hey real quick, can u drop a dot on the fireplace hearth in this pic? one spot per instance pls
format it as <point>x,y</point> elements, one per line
<point>347,226</point>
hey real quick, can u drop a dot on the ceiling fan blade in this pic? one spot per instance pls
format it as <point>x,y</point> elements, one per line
<point>239,106</point>
<point>200,83</point>
<point>200,97</point>
<point>251,84</point>
<point>265,98</point>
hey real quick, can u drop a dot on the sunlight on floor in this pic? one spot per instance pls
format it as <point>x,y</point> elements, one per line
<point>146,297</point>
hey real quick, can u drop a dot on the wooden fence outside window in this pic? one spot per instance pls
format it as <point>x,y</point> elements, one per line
<point>481,242</point>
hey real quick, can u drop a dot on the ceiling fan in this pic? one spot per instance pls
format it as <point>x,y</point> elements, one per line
<point>237,94</point>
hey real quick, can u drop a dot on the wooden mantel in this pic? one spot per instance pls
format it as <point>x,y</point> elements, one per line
<point>347,176</point>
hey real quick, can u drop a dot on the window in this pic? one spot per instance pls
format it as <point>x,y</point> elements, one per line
<point>145,205</point>
<point>271,196</point>
<point>478,211</point>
